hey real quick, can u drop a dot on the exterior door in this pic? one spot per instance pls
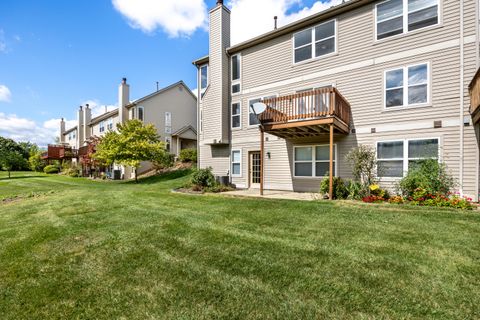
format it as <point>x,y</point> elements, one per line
<point>255,168</point>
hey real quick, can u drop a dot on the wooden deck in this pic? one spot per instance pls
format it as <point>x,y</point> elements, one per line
<point>59,152</point>
<point>306,114</point>
<point>474,91</point>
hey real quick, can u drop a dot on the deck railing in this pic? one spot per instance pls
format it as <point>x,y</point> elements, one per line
<point>308,105</point>
<point>58,152</point>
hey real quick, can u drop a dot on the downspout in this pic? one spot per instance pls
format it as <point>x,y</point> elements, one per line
<point>461,111</point>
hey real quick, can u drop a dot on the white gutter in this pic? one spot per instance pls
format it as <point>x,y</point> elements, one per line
<point>461,109</point>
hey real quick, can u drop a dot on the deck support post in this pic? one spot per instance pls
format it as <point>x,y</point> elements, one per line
<point>330,171</point>
<point>262,156</point>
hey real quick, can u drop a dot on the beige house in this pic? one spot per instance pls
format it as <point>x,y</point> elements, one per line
<point>392,74</point>
<point>173,111</point>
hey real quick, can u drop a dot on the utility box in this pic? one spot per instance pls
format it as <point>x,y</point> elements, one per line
<point>117,174</point>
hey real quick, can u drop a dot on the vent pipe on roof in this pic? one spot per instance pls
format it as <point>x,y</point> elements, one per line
<point>275,22</point>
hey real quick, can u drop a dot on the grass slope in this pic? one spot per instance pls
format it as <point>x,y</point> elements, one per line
<point>108,250</point>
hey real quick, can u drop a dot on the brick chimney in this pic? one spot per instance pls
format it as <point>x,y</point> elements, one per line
<point>123,100</point>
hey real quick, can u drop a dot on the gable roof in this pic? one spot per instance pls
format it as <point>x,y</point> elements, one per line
<point>70,130</point>
<point>294,26</point>
<point>103,117</point>
<point>181,83</point>
<point>183,130</point>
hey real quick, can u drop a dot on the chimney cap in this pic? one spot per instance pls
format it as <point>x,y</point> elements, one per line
<point>87,105</point>
<point>63,120</point>
<point>124,80</point>
<point>81,107</point>
<point>220,2</point>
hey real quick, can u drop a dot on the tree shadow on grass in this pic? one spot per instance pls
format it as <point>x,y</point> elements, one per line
<point>177,174</point>
<point>13,177</point>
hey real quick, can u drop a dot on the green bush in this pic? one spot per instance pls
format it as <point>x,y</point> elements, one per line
<point>73,172</point>
<point>429,175</point>
<point>51,169</point>
<point>203,178</point>
<point>163,160</point>
<point>339,188</point>
<point>188,155</point>
<point>355,190</point>
<point>36,163</point>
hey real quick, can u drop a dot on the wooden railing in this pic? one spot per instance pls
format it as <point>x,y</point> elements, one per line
<point>83,151</point>
<point>474,91</point>
<point>309,105</point>
<point>58,152</point>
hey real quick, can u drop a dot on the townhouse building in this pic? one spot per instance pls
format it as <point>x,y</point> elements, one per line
<point>173,111</point>
<point>392,74</point>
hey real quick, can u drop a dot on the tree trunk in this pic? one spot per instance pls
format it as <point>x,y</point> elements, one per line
<point>8,174</point>
<point>136,179</point>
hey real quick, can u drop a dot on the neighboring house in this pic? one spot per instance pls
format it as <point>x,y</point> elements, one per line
<point>391,74</point>
<point>173,111</point>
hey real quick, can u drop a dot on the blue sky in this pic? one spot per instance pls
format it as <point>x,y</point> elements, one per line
<point>57,54</point>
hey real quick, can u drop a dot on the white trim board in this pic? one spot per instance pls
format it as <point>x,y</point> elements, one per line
<point>413,125</point>
<point>362,64</point>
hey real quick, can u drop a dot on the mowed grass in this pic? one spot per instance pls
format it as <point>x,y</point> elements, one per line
<point>84,249</point>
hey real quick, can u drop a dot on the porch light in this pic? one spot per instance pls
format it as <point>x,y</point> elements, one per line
<point>269,155</point>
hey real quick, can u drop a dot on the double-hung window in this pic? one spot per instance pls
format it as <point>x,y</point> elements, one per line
<point>110,124</point>
<point>395,17</point>
<point>132,114</point>
<point>314,42</point>
<point>394,158</point>
<point>236,115</point>
<point>236,163</point>
<point>102,126</point>
<point>407,86</point>
<point>203,79</point>
<point>168,122</point>
<point>140,113</point>
<point>313,161</point>
<point>236,73</point>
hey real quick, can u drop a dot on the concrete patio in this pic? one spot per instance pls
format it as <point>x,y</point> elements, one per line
<point>274,194</point>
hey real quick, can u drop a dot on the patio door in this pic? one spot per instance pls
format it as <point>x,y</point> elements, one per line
<point>255,165</point>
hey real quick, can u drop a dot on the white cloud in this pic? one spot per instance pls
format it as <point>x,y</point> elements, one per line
<point>22,129</point>
<point>5,94</point>
<point>174,17</point>
<point>251,18</point>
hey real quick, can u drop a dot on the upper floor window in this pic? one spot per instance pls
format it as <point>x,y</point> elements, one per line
<point>236,115</point>
<point>401,16</point>
<point>110,124</point>
<point>396,157</point>
<point>140,113</point>
<point>168,122</point>
<point>315,42</point>
<point>407,86</point>
<point>102,126</point>
<point>203,78</point>
<point>236,60</point>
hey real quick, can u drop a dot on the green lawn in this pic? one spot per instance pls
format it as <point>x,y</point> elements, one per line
<point>82,249</point>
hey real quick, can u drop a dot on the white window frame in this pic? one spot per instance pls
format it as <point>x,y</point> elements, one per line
<point>249,126</point>
<point>239,80</point>
<point>314,161</point>
<point>132,113</point>
<point>143,113</point>
<point>239,115</point>
<point>406,157</point>
<point>314,41</point>
<point>232,163</point>
<point>101,126</point>
<point>110,124</point>
<point>405,20</point>
<point>202,90</point>
<point>406,87</point>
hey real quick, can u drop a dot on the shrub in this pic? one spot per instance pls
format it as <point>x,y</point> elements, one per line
<point>73,172</point>
<point>396,200</point>
<point>373,199</point>
<point>163,160</point>
<point>203,178</point>
<point>377,191</point>
<point>339,188</point>
<point>188,155</point>
<point>51,169</point>
<point>429,175</point>
<point>363,161</point>
<point>355,190</point>
<point>36,162</point>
